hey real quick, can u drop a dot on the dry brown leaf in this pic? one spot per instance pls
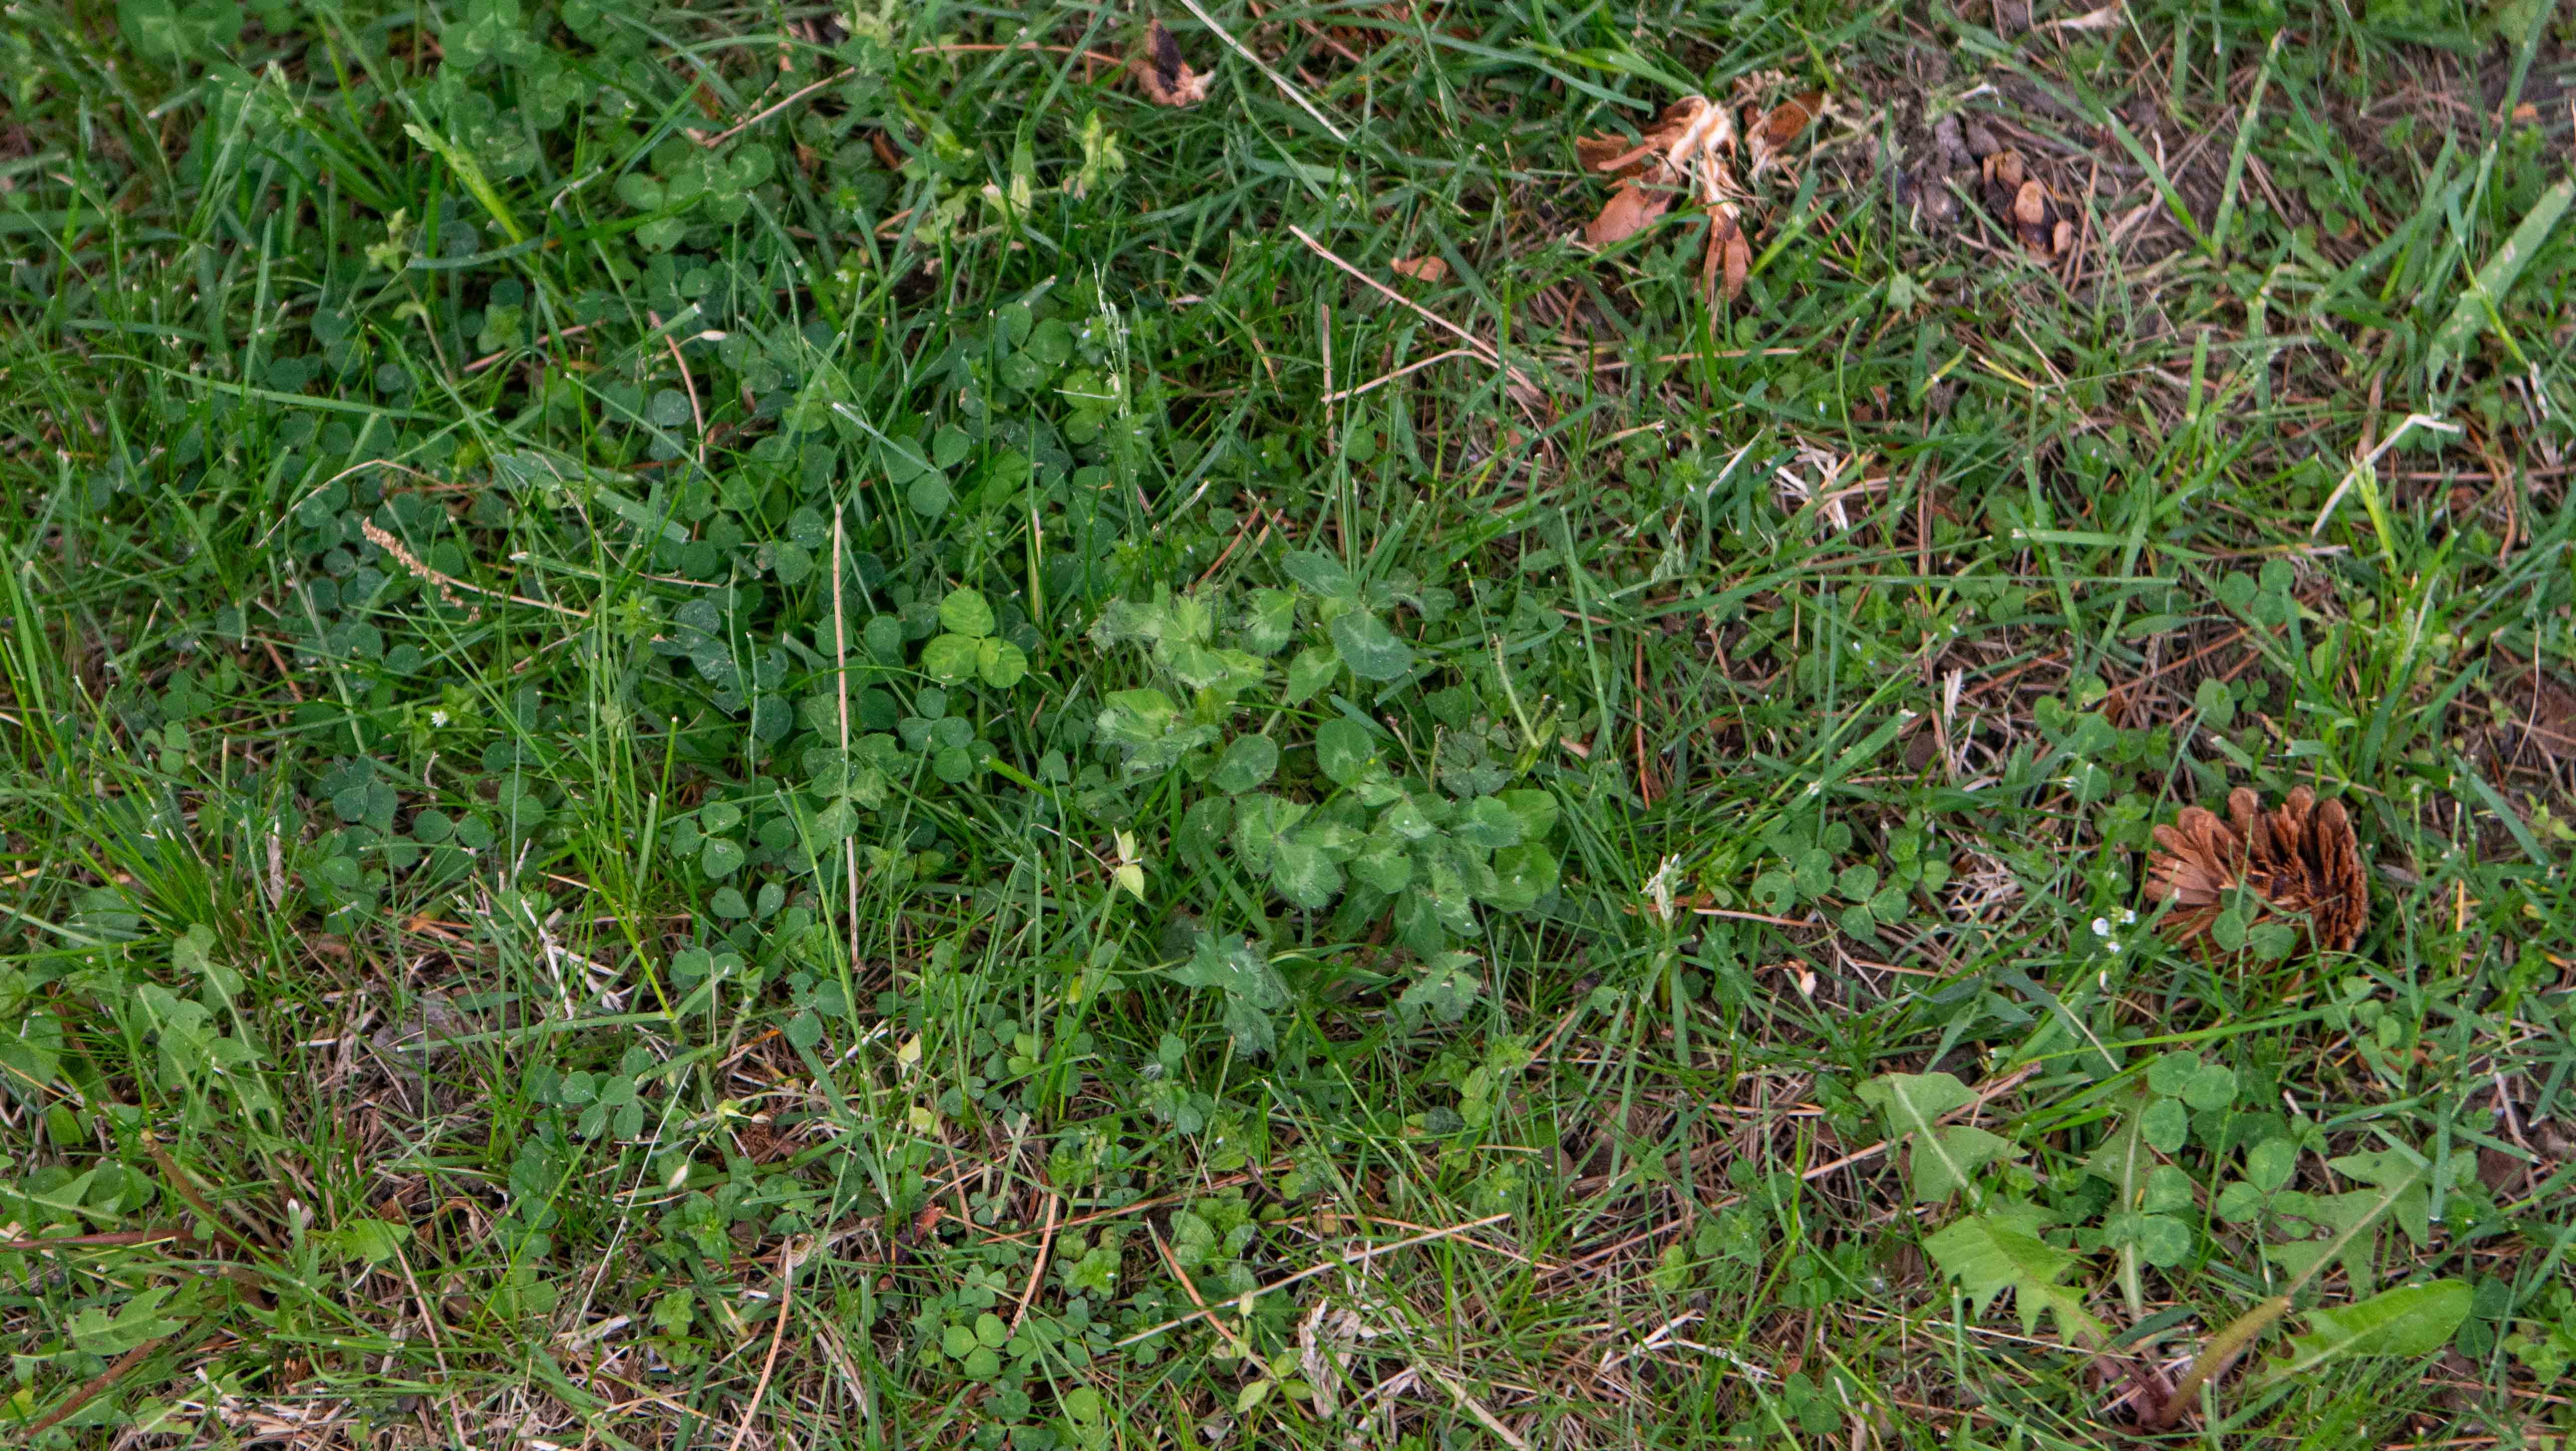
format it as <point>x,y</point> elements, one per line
<point>1421,269</point>
<point>1162,75</point>
<point>1607,153</point>
<point>1630,210</point>
<point>1730,257</point>
<point>2299,861</point>
<point>1684,155</point>
<point>2106,18</point>
<point>1688,128</point>
<point>1772,133</point>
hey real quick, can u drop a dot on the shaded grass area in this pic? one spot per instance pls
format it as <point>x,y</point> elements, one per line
<point>803,728</point>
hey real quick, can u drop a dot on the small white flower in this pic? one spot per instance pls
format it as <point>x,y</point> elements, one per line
<point>2128,915</point>
<point>2111,944</point>
<point>438,720</point>
<point>2101,926</point>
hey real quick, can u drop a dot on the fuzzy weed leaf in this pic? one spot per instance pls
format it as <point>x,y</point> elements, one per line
<point>138,1322</point>
<point>2409,1320</point>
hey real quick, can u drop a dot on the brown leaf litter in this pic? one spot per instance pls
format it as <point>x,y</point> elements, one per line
<point>2298,861</point>
<point>1686,153</point>
<point>1420,269</point>
<point>1161,74</point>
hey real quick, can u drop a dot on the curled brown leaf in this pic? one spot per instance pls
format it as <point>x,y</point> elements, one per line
<point>1162,75</point>
<point>1729,259</point>
<point>1630,210</point>
<point>1421,269</point>
<point>1777,129</point>
<point>1608,153</point>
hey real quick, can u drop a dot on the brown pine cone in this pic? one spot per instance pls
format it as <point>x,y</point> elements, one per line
<point>2299,862</point>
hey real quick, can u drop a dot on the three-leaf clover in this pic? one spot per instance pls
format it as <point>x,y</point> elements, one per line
<point>969,650</point>
<point>1360,639</point>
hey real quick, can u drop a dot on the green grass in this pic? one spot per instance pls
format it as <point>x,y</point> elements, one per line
<point>781,727</point>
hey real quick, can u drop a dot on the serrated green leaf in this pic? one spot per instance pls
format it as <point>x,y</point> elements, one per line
<point>2001,1249</point>
<point>137,1322</point>
<point>2404,1177</point>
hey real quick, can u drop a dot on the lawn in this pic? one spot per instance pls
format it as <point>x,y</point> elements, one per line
<point>1224,723</point>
